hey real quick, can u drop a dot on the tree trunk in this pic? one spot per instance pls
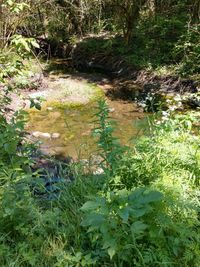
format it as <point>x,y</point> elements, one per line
<point>1,28</point>
<point>132,17</point>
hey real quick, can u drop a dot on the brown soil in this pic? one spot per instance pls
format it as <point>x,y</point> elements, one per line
<point>127,78</point>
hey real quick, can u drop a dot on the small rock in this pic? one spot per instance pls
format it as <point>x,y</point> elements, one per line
<point>45,135</point>
<point>111,110</point>
<point>98,171</point>
<point>36,134</point>
<point>55,135</point>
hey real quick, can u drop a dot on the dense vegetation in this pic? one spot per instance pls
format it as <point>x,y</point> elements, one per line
<point>143,209</point>
<point>156,34</point>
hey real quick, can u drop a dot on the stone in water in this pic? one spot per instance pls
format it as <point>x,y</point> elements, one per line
<point>55,135</point>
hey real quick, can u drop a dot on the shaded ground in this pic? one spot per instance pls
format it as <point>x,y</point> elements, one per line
<point>127,77</point>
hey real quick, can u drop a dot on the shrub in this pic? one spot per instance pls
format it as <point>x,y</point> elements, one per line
<point>147,215</point>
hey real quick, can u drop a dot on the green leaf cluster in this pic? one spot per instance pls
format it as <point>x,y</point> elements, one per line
<point>147,212</point>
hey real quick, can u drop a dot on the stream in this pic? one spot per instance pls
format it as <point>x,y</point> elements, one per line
<point>64,124</point>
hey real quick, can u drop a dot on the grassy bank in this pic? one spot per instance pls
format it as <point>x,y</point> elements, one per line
<point>141,211</point>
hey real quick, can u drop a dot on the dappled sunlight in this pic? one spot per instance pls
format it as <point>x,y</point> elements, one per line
<point>99,133</point>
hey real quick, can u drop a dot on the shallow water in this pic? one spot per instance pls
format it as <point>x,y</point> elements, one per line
<point>74,124</point>
<point>74,121</point>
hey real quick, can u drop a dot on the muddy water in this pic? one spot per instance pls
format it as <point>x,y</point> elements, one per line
<point>69,117</point>
<point>74,126</point>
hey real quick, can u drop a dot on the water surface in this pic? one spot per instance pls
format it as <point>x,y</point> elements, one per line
<point>69,112</point>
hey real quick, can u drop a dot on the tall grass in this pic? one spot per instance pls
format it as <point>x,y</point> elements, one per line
<point>143,210</point>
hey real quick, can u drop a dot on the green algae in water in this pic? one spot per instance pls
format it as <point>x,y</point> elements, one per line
<point>69,111</point>
<point>74,123</point>
<point>68,91</point>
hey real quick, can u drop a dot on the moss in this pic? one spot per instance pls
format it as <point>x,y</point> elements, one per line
<point>98,93</point>
<point>69,111</point>
<point>65,105</point>
<point>77,105</point>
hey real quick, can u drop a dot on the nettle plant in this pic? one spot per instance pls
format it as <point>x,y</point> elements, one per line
<point>148,222</point>
<point>117,221</point>
<point>110,149</point>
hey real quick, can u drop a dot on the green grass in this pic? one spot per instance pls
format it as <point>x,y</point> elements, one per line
<point>143,211</point>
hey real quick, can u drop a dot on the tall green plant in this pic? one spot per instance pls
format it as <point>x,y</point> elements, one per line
<point>109,146</point>
<point>153,220</point>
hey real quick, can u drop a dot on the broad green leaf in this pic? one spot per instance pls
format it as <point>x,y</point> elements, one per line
<point>93,219</point>
<point>90,205</point>
<point>38,106</point>
<point>10,2</point>
<point>139,212</point>
<point>124,213</point>
<point>138,227</point>
<point>152,196</point>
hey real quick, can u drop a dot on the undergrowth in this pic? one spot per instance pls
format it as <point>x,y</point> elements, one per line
<point>163,46</point>
<point>143,210</point>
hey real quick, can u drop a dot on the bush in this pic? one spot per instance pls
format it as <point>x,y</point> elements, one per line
<point>142,211</point>
<point>187,50</point>
<point>148,214</point>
